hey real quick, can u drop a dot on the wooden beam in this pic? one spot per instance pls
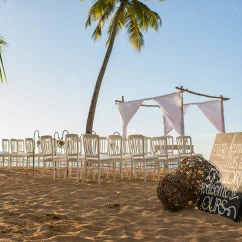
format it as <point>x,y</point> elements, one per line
<point>144,105</point>
<point>199,94</point>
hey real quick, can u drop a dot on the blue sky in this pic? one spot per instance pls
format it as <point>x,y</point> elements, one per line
<point>52,65</point>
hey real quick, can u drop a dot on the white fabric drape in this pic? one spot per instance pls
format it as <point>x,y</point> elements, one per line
<point>171,108</point>
<point>212,110</point>
<point>127,110</point>
<point>167,126</point>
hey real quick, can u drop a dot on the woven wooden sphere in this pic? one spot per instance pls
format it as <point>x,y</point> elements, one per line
<point>174,191</point>
<point>195,169</point>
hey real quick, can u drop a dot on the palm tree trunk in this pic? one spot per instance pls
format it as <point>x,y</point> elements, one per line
<point>92,109</point>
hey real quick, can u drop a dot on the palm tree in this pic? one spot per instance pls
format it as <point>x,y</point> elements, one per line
<point>134,16</point>
<point>2,70</point>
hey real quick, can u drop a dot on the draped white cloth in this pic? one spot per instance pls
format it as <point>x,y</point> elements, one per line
<point>127,110</point>
<point>167,126</point>
<point>212,110</point>
<point>171,107</point>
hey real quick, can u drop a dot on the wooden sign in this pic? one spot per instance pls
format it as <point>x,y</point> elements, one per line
<point>222,190</point>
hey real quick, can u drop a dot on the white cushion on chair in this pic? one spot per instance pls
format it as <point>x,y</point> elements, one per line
<point>173,157</point>
<point>5,154</point>
<point>147,157</point>
<point>127,157</point>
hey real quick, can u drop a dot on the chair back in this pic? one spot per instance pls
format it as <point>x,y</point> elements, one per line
<point>39,147</point>
<point>91,146</point>
<point>125,146</point>
<point>72,145</point>
<point>14,146</point>
<point>170,144</point>
<point>136,145</point>
<point>80,145</point>
<point>21,147</point>
<point>115,145</point>
<point>29,145</point>
<point>159,146</point>
<point>103,145</point>
<point>47,146</point>
<point>184,144</point>
<point>5,145</point>
<point>148,149</point>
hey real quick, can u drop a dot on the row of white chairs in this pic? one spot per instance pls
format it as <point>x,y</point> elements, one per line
<point>94,152</point>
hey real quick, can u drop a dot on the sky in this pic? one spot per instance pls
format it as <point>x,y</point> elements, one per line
<point>52,64</point>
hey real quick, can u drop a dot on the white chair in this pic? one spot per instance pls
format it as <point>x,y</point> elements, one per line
<point>14,152</point>
<point>38,152</point>
<point>72,154</point>
<point>21,151</point>
<point>185,147</point>
<point>160,148</point>
<point>138,155</point>
<point>173,157</point>
<point>93,159</point>
<point>115,150</point>
<point>5,154</point>
<point>29,147</point>
<point>126,156</point>
<point>47,148</point>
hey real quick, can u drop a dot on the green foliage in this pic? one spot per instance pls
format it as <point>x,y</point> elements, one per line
<point>136,18</point>
<point>2,70</point>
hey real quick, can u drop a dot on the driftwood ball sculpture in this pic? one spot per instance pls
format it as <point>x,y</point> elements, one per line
<point>195,169</point>
<point>174,191</point>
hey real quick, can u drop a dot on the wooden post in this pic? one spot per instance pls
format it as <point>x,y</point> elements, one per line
<point>222,113</point>
<point>182,114</point>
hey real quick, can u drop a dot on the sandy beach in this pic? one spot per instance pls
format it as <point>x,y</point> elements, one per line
<point>35,208</point>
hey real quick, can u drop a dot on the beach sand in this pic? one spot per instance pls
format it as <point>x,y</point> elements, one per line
<point>35,208</point>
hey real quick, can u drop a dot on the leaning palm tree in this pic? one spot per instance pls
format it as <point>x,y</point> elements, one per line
<point>134,16</point>
<point>2,70</point>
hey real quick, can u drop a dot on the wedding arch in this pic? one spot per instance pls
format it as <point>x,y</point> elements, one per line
<point>174,109</point>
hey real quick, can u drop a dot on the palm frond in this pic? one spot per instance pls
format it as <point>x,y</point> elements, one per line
<point>136,38</point>
<point>121,24</point>
<point>97,10</point>
<point>98,30</point>
<point>3,43</point>
<point>135,17</point>
<point>2,70</point>
<point>145,17</point>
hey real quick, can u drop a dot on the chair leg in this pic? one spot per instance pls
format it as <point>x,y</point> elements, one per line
<point>131,170</point>
<point>70,169</point>
<point>114,171</point>
<point>144,171</point>
<point>121,167</point>
<point>94,174</point>
<point>85,171</point>
<point>77,172</point>
<point>158,163</point>
<point>53,163</point>
<point>81,170</point>
<point>99,180</point>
